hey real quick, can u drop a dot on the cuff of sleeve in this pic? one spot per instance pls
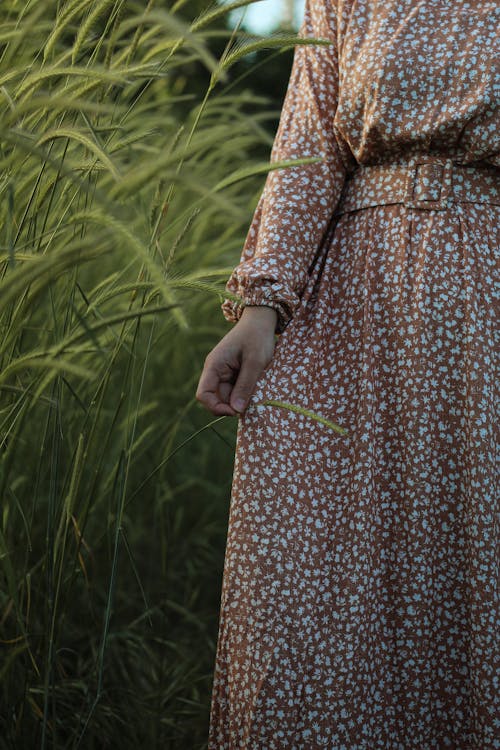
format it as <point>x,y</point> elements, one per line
<point>232,309</point>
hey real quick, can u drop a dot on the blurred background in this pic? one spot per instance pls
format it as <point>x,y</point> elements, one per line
<point>134,145</point>
<point>267,15</point>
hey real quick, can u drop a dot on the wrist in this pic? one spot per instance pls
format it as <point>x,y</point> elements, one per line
<point>261,313</point>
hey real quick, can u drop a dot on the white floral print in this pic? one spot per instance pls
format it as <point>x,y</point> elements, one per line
<point>359,606</point>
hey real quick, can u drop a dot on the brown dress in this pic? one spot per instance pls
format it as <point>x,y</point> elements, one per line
<point>359,604</point>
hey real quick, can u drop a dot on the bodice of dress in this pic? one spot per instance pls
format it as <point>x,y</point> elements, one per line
<point>397,77</point>
<point>418,76</point>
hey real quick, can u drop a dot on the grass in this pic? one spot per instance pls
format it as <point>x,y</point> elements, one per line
<point>126,195</point>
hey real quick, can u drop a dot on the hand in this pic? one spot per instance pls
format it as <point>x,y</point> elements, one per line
<point>235,364</point>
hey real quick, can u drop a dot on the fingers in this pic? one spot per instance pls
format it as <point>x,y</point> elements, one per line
<point>251,368</point>
<point>232,368</point>
<point>215,386</point>
<point>225,391</point>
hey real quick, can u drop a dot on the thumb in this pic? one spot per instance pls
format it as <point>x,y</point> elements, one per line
<point>250,370</point>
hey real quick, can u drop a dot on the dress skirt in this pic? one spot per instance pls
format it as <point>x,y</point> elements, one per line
<point>360,604</point>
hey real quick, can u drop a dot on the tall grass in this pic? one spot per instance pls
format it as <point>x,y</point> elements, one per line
<point>125,196</point>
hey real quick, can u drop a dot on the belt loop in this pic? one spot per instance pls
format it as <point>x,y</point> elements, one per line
<point>426,176</point>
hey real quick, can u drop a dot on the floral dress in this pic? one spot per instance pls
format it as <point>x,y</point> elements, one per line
<point>359,606</point>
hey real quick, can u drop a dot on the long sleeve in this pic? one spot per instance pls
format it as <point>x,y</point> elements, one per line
<point>296,204</point>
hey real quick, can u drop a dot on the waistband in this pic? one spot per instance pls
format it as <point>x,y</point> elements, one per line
<point>423,181</point>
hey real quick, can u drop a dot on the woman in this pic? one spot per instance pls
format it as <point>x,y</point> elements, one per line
<point>359,600</point>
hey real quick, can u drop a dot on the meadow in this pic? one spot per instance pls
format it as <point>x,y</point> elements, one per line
<point>130,167</point>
